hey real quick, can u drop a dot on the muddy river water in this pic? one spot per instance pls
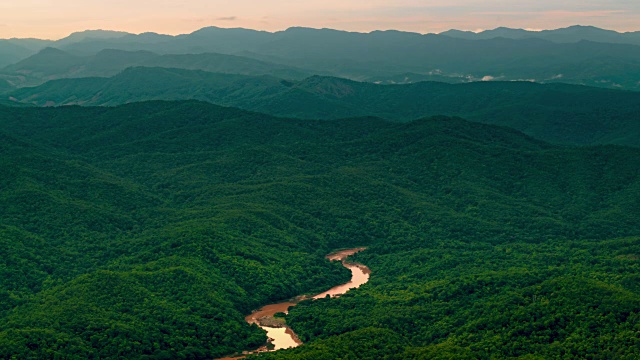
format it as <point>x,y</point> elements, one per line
<point>281,336</point>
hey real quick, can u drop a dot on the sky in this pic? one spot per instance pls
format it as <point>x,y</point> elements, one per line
<point>54,19</point>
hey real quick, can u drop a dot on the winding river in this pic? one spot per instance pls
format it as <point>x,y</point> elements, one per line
<point>280,335</point>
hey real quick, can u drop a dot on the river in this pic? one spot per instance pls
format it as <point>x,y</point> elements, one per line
<point>280,335</point>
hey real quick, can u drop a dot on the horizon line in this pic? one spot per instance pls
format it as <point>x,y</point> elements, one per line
<point>475,31</point>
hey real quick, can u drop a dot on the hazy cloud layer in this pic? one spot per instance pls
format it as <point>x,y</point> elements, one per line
<point>55,19</point>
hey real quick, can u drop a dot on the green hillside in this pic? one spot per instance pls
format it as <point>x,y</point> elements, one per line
<point>5,86</point>
<point>558,113</point>
<point>115,258</point>
<point>148,230</point>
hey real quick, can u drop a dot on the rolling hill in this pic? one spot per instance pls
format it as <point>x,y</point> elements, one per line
<point>557,113</point>
<point>147,231</point>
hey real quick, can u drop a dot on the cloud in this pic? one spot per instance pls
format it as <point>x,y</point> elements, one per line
<point>227,18</point>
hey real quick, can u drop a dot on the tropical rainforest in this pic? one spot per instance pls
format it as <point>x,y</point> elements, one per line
<point>155,190</point>
<point>148,231</point>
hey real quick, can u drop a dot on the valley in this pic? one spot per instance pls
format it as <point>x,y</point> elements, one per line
<point>279,334</point>
<point>161,215</point>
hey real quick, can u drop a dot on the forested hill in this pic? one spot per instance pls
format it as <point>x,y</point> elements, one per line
<point>148,230</point>
<point>558,113</point>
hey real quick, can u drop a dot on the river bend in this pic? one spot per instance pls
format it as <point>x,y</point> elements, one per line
<point>280,335</point>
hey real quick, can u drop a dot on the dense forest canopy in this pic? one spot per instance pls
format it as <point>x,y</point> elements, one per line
<point>557,113</point>
<point>157,189</point>
<point>149,230</point>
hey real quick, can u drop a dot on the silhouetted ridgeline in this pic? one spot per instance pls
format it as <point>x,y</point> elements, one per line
<point>579,55</point>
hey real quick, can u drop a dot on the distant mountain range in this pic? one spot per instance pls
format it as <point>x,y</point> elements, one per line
<point>80,41</point>
<point>579,55</point>
<point>570,34</point>
<point>51,63</point>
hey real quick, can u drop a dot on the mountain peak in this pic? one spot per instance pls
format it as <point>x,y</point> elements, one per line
<point>303,29</point>
<point>92,34</point>
<point>45,60</point>
<point>583,27</point>
<point>51,51</point>
<point>216,30</point>
<point>587,29</point>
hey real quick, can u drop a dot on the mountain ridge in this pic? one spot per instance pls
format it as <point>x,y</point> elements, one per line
<point>558,113</point>
<point>569,34</point>
<point>392,53</point>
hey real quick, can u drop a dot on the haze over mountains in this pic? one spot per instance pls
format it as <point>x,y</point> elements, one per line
<point>157,189</point>
<point>573,55</point>
<point>566,35</point>
<point>51,63</point>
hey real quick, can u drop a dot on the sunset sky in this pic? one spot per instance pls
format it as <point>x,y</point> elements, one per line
<point>53,19</point>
